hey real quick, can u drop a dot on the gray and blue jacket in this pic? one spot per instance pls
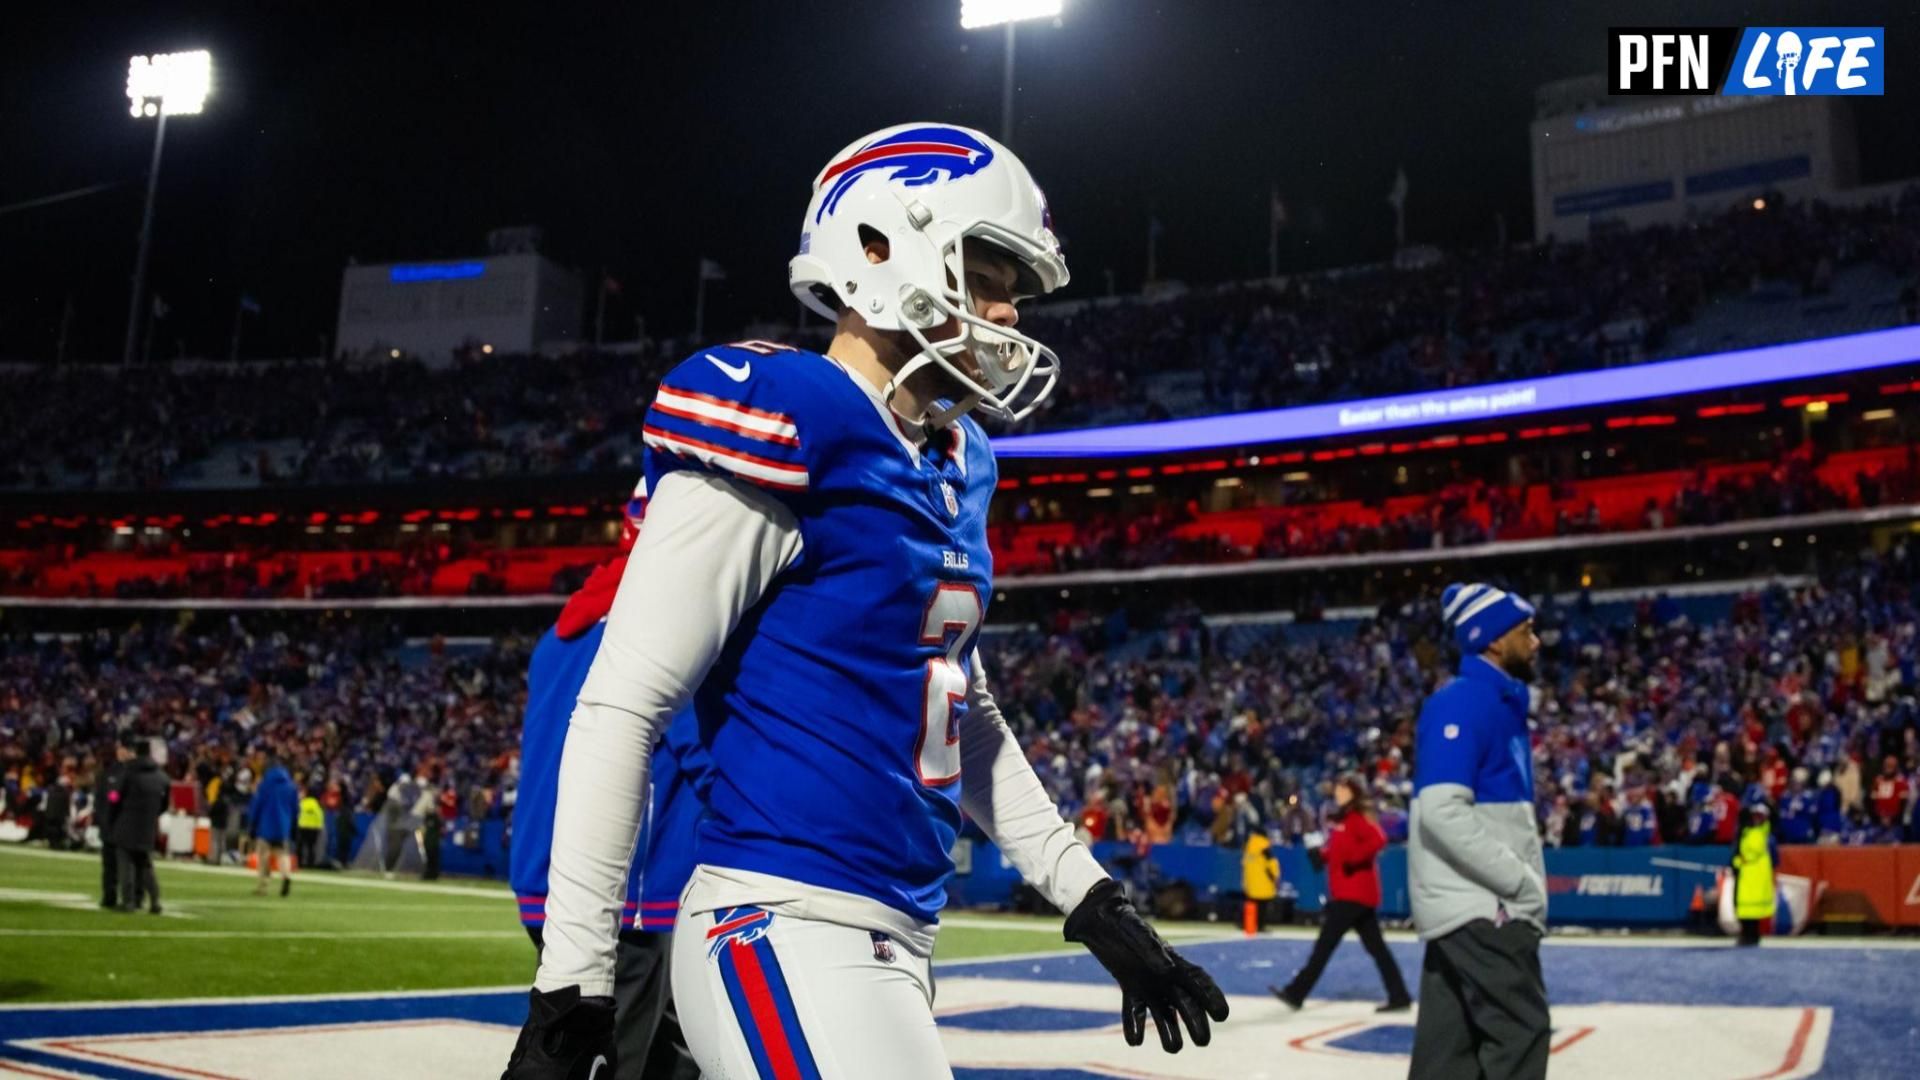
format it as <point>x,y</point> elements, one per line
<point>1473,849</point>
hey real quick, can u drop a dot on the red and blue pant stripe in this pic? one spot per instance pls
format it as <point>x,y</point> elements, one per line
<point>764,1009</point>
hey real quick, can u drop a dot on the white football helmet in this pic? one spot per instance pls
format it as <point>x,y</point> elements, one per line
<point>929,190</point>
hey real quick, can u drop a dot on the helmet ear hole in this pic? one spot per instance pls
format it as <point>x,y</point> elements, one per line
<point>875,243</point>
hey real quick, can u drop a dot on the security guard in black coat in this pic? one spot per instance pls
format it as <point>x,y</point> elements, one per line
<point>143,798</point>
<point>106,804</point>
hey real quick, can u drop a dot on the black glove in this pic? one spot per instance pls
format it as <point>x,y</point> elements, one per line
<point>1153,978</point>
<point>567,1037</point>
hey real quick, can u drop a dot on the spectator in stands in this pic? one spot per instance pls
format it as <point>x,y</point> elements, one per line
<point>1798,811</point>
<point>271,816</point>
<point>1639,822</point>
<point>1891,794</point>
<point>136,821</point>
<point>1350,856</point>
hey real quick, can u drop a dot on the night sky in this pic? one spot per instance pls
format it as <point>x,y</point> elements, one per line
<point>643,136</point>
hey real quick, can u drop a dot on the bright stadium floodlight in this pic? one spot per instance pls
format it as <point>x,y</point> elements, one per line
<point>982,14</point>
<point>176,84</point>
<point>162,85</point>
<point>979,14</point>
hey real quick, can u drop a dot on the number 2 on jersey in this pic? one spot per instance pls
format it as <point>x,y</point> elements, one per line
<point>953,613</point>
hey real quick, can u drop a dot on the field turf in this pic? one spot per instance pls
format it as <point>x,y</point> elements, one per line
<point>335,933</point>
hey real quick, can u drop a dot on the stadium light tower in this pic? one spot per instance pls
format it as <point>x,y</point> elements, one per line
<point>162,85</point>
<point>981,14</point>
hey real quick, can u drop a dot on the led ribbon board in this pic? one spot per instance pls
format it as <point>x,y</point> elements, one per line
<point>1667,378</point>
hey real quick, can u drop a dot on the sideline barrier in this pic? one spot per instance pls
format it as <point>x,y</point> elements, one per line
<point>1639,886</point>
<point>1865,886</point>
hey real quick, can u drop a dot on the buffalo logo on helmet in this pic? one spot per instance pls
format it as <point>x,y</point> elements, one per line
<point>916,156</point>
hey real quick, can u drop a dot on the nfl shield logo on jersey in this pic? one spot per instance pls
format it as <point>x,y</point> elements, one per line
<point>953,503</point>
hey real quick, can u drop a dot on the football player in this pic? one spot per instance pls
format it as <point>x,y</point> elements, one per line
<point>813,576</point>
<point>647,1035</point>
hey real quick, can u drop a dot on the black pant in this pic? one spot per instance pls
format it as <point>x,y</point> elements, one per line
<point>650,1044</point>
<point>1483,1006</point>
<point>307,848</point>
<point>1750,931</point>
<point>137,884</point>
<point>1341,916</point>
<point>109,874</point>
<point>343,836</point>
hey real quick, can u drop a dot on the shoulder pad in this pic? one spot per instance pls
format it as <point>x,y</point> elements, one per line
<point>741,411</point>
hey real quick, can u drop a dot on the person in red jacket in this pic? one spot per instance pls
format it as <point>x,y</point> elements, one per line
<point>1351,855</point>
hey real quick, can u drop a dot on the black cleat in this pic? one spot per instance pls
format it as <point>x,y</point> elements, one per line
<point>1395,1007</point>
<point>286,886</point>
<point>1292,1000</point>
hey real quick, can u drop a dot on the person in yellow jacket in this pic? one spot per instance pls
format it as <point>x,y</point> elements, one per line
<point>1260,879</point>
<point>1753,861</point>
<point>311,823</point>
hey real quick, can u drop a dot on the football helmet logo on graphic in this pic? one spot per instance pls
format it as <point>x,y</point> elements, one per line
<point>934,191</point>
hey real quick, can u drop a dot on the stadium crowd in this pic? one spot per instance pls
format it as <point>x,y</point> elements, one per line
<point>1459,515</point>
<point>341,700</point>
<point>1468,318</point>
<point>1649,729</point>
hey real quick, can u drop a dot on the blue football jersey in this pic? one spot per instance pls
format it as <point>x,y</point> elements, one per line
<point>664,859</point>
<point>832,715</point>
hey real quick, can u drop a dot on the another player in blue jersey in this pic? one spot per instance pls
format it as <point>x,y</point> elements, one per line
<point>650,1043</point>
<point>813,576</point>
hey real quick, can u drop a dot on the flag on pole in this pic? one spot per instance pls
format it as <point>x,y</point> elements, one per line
<point>711,271</point>
<point>1397,197</point>
<point>160,308</point>
<point>249,305</point>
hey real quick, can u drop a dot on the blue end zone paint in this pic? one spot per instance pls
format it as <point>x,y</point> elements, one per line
<point>1871,992</point>
<point>1385,1039</point>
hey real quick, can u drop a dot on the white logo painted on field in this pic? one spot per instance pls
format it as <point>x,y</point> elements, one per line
<point>1451,731</point>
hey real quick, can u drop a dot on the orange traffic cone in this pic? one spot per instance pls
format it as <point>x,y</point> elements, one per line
<point>1250,917</point>
<point>1699,900</point>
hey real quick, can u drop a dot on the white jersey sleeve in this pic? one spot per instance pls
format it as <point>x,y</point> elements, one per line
<point>1000,791</point>
<point>710,549</point>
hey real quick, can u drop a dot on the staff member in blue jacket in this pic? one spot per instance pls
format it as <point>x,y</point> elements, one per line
<point>1474,855</point>
<point>271,814</point>
<point>648,1042</point>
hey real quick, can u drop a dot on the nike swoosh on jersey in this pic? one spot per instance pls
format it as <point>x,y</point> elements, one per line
<point>599,1061</point>
<point>737,374</point>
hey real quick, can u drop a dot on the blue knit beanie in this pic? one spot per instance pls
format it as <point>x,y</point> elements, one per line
<point>1480,613</point>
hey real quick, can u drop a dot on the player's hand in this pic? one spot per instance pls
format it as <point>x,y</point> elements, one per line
<point>1154,980</point>
<point>567,1037</point>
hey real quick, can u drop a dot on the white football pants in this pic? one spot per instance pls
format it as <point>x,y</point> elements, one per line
<point>773,997</point>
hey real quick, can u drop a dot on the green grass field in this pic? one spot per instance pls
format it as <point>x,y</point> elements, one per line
<point>335,933</point>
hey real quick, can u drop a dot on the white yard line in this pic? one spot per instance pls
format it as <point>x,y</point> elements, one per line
<point>303,877</point>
